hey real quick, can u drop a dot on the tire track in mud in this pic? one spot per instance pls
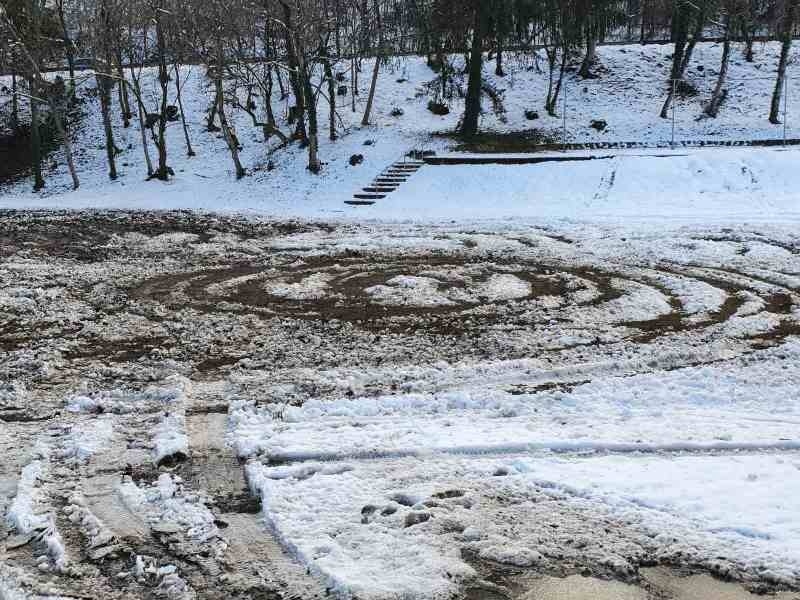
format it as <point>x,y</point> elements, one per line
<point>242,288</point>
<point>574,294</point>
<point>113,543</point>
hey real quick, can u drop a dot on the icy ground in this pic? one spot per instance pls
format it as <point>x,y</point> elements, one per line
<point>216,407</point>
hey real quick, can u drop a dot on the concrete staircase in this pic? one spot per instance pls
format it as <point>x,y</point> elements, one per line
<point>387,182</point>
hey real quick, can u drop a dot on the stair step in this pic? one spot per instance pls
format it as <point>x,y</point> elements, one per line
<point>380,189</point>
<point>369,196</point>
<point>360,202</point>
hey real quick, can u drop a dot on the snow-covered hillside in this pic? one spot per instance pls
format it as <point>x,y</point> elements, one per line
<point>627,97</point>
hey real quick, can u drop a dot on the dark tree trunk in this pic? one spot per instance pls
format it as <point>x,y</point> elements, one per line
<point>700,20</point>
<point>313,130</point>
<point>551,110</point>
<point>124,101</point>
<point>212,115</point>
<point>189,149</point>
<point>331,95</point>
<point>69,46</point>
<point>786,46</point>
<point>552,54</point>
<point>227,133</point>
<point>376,69</point>
<point>679,34</point>
<point>268,106</point>
<point>748,49</point>
<point>590,58</point>
<point>498,61</point>
<point>163,170</point>
<point>142,126</point>
<point>719,89</point>
<point>14,103</point>
<point>293,59</point>
<point>472,106</point>
<point>62,131</point>
<point>36,140</point>
<point>104,83</point>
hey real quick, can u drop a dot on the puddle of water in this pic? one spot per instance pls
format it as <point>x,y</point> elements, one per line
<point>577,587</point>
<point>703,587</point>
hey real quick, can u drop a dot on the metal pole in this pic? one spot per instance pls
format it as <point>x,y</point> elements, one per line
<point>674,94</point>
<point>564,116</point>
<point>785,105</point>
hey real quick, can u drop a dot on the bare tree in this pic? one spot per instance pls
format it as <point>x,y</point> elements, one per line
<point>785,29</point>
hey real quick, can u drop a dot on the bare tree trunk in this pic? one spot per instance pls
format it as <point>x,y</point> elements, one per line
<point>36,139</point>
<point>137,92</point>
<point>331,95</point>
<point>696,35</point>
<point>498,66</point>
<point>14,103</point>
<point>376,69</point>
<point>104,83</point>
<point>189,150</point>
<point>69,46</point>
<point>281,86</point>
<point>67,147</point>
<point>163,170</point>
<point>268,106</point>
<point>679,60</point>
<point>552,55</point>
<point>590,58</point>
<point>718,95</point>
<point>353,83</point>
<point>786,46</point>
<point>371,95</point>
<point>124,102</point>
<point>212,115</point>
<point>313,138</point>
<point>748,49</point>
<point>472,105</point>
<point>230,139</point>
<point>560,81</point>
<point>295,68</point>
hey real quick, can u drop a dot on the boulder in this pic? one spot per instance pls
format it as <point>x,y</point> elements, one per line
<point>598,124</point>
<point>438,108</point>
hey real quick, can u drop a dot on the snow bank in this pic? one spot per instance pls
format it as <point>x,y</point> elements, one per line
<point>719,406</point>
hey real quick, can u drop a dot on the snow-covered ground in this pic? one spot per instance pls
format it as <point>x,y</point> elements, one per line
<point>494,374</point>
<point>417,408</point>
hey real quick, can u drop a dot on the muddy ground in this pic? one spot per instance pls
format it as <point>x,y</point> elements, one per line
<point>115,303</point>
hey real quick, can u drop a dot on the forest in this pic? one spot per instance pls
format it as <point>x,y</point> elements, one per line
<point>311,52</point>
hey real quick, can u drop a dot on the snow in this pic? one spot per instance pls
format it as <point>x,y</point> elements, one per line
<point>701,408</point>
<point>167,503</point>
<point>384,559</point>
<point>669,451</point>
<point>313,286</point>
<point>25,514</point>
<point>346,527</point>
<point>382,477</point>
<point>742,502</point>
<point>723,183</point>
